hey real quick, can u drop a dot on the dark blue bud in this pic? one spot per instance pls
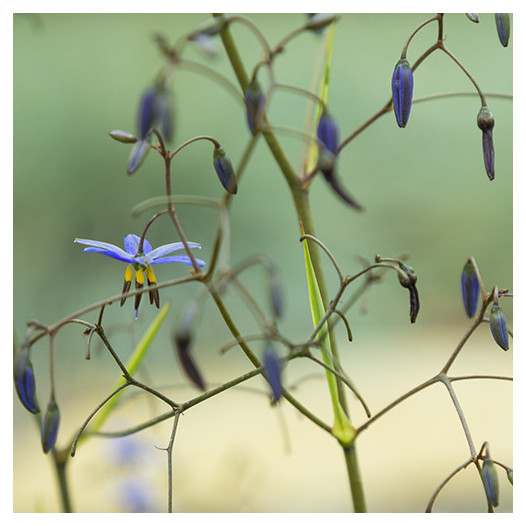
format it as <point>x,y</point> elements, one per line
<point>328,133</point>
<point>49,427</point>
<point>470,288</point>
<point>147,112</point>
<point>402,85</point>
<point>503,27</point>
<point>254,102</point>
<point>486,122</point>
<point>276,293</point>
<point>491,481</point>
<point>272,369</point>
<point>25,380</point>
<point>165,115</point>
<point>139,151</point>
<point>498,327</point>
<point>225,170</point>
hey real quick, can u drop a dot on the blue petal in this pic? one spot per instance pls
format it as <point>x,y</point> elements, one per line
<point>178,259</point>
<point>105,248</point>
<point>131,244</point>
<point>168,249</point>
<point>115,255</point>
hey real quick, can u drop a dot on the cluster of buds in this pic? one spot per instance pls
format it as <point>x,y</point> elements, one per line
<point>25,386</point>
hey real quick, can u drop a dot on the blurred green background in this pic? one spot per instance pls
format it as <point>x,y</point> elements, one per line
<point>425,193</point>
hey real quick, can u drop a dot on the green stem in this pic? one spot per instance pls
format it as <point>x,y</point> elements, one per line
<point>301,203</point>
<point>60,460</point>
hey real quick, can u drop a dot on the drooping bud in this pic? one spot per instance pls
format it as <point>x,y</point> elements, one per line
<point>319,21</point>
<point>254,102</point>
<point>123,136</point>
<point>408,280</point>
<point>470,288</point>
<point>225,170</point>
<point>329,137</point>
<point>474,17</point>
<point>138,154</point>
<point>509,473</point>
<point>486,122</point>
<point>147,112</point>
<point>503,27</point>
<point>402,85</point>
<point>491,481</point>
<point>49,427</point>
<point>276,293</point>
<point>25,380</point>
<point>498,327</point>
<point>272,369</point>
<point>183,343</point>
<point>165,114</point>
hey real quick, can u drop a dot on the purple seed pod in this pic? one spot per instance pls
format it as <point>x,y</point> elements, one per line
<point>408,281</point>
<point>503,27</point>
<point>272,369</point>
<point>225,170</point>
<point>147,112</point>
<point>402,85</point>
<point>254,102</point>
<point>491,481</point>
<point>25,380</point>
<point>470,288</point>
<point>486,122</point>
<point>498,327</point>
<point>49,427</point>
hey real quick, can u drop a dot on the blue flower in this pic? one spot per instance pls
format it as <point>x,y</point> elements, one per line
<point>140,262</point>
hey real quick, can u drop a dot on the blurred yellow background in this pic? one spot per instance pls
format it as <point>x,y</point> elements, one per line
<point>425,193</point>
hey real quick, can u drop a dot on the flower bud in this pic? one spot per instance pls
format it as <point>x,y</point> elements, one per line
<point>503,27</point>
<point>402,85</point>
<point>225,170</point>
<point>509,473</point>
<point>254,102</point>
<point>165,114</point>
<point>319,21</point>
<point>49,427</point>
<point>25,380</point>
<point>470,288</point>
<point>486,122</point>
<point>474,17</point>
<point>276,293</point>
<point>123,136</point>
<point>497,324</point>
<point>138,154</point>
<point>328,132</point>
<point>147,112</point>
<point>183,343</point>
<point>491,481</point>
<point>272,369</point>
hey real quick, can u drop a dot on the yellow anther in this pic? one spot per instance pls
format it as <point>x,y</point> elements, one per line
<point>128,275</point>
<point>139,277</point>
<point>150,276</point>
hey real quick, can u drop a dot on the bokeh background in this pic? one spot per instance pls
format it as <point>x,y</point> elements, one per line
<point>425,193</point>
